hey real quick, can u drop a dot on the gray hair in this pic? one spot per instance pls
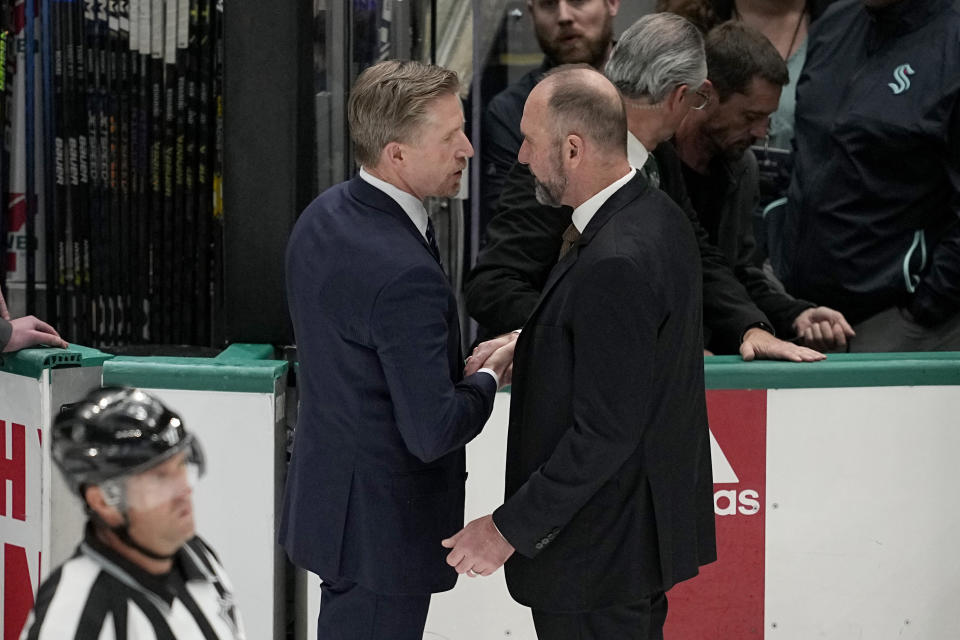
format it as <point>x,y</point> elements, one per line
<point>658,53</point>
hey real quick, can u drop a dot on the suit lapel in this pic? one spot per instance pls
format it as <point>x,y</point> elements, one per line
<point>614,204</point>
<point>369,195</point>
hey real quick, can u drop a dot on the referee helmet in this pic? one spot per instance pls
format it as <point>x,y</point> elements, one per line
<point>117,432</point>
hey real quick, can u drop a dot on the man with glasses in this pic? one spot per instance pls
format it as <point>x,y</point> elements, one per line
<point>746,74</point>
<point>659,66</point>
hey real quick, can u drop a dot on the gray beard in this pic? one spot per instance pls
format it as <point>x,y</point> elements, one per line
<point>549,193</point>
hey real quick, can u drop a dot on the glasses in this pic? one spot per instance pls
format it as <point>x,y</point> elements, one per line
<point>704,100</point>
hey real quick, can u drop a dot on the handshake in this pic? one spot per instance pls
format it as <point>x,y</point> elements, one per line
<point>496,355</point>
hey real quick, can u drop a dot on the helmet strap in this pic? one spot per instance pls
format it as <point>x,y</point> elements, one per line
<point>123,532</point>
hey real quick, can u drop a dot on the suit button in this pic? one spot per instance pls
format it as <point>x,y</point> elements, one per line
<point>545,541</point>
<point>539,545</point>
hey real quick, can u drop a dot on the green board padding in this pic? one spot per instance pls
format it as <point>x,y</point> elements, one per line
<point>838,370</point>
<point>247,351</point>
<point>33,362</point>
<point>195,374</point>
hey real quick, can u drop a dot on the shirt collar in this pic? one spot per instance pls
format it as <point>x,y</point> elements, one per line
<point>162,586</point>
<point>410,204</point>
<point>583,214</point>
<point>637,154</point>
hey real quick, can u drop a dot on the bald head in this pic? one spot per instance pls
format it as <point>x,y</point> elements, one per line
<point>581,101</point>
<point>574,135</point>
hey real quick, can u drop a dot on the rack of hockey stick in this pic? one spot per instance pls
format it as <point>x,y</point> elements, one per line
<point>131,101</point>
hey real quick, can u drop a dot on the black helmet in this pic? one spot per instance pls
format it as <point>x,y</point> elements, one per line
<point>115,432</point>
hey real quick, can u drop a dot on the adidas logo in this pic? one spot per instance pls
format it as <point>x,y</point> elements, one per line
<point>729,502</point>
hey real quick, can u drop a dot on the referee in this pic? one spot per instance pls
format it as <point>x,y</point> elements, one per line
<point>140,572</point>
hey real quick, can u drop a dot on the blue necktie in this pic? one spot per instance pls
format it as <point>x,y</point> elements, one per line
<point>432,241</point>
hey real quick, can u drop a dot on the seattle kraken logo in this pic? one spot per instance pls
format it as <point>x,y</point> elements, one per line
<point>903,82</point>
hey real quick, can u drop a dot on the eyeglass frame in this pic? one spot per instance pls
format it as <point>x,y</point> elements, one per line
<point>705,96</point>
<point>706,100</point>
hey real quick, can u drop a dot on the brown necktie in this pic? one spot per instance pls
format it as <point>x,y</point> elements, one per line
<point>570,237</point>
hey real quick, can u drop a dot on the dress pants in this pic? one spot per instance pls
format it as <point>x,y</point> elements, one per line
<point>349,611</point>
<point>641,620</point>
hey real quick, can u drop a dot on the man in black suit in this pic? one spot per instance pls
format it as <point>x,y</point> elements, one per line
<point>376,479</point>
<point>608,481</point>
<point>659,66</point>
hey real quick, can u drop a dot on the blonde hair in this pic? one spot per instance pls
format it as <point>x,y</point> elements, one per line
<point>389,103</point>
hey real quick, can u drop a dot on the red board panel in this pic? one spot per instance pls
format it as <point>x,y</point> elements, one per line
<point>726,600</point>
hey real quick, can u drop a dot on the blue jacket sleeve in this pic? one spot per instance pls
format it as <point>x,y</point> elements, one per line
<point>409,326</point>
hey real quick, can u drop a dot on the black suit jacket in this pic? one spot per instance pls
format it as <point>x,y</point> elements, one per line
<point>608,483</point>
<point>376,479</point>
<point>523,241</point>
<point>6,330</point>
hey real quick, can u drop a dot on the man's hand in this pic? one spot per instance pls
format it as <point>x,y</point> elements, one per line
<point>30,332</point>
<point>478,549</point>
<point>484,350</point>
<point>823,328</point>
<point>761,345</point>
<point>496,354</point>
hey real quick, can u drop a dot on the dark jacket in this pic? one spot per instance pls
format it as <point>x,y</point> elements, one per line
<point>500,138</point>
<point>376,479</point>
<point>731,212</point>
<point>6,330</point>
<point>871,219</point>
<point>609,494</point>
<point>523,242</point>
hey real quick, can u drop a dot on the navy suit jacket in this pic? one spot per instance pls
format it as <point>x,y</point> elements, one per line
<point>376,478</point>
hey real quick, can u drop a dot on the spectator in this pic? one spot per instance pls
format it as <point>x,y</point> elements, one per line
<point>870,226</point>
<point>745,76</point>
<point>569,32</point>
<point>659,66</point>
<point>25,332</point>
<point>785,24</point>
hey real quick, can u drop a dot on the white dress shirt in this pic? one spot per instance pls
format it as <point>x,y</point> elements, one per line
<point>413,207</point>
<point>637,154</point>
<point>411,204</point>
<point>583,214</point>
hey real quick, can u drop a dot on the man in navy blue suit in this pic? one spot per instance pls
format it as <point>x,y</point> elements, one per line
<point>377,476</point>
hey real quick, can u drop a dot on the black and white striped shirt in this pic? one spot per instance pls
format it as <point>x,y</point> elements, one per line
<point>99,595</point>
